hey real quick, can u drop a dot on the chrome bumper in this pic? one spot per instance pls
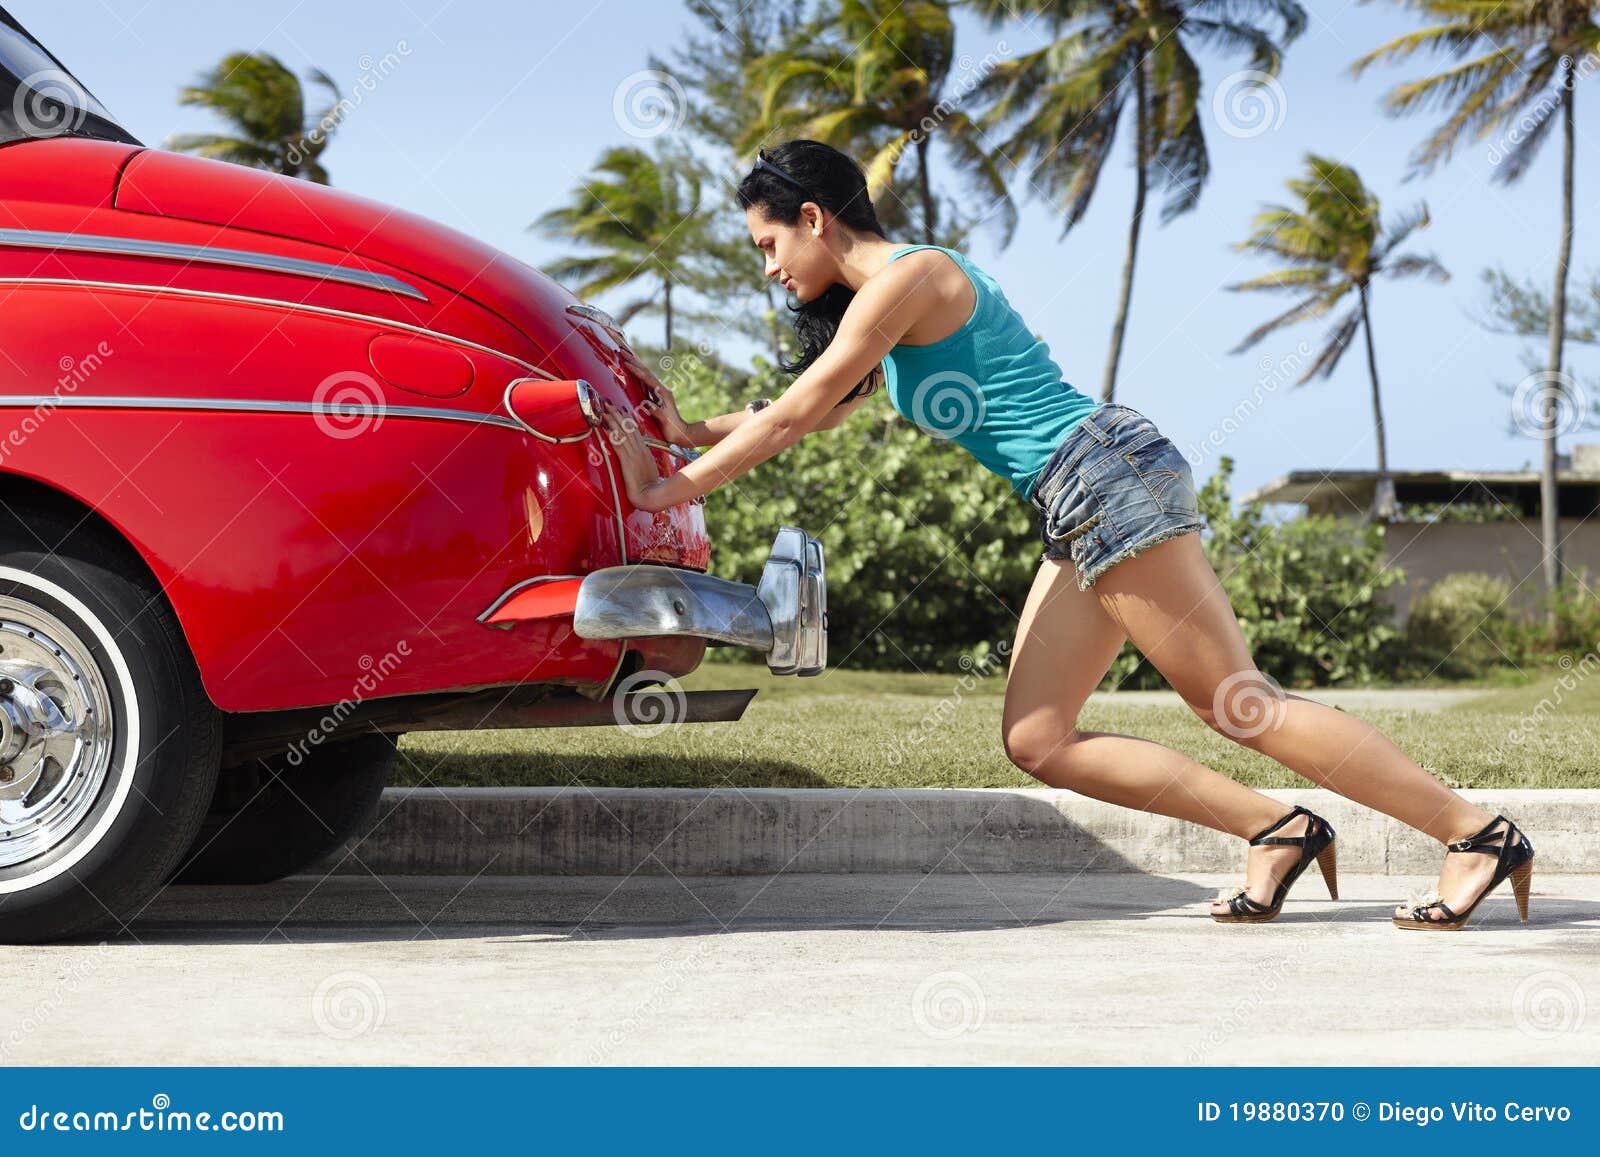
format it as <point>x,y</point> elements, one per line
<point>785,617</point>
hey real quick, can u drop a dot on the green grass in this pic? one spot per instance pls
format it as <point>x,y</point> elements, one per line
<point>858,729</point>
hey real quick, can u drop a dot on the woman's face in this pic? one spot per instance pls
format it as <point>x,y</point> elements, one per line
<point>794,255</point>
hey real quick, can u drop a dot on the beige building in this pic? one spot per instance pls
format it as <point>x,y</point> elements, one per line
<point>1430,549</point>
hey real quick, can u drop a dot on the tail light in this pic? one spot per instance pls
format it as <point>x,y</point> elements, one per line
<point>559,411</point>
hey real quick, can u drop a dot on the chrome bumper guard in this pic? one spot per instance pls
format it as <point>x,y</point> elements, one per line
<point>785,617</point>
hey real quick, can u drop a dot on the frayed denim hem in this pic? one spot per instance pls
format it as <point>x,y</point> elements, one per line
<point>1085,581</point>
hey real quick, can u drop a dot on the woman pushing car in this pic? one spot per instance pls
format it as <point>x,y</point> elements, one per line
<point>1121,528</point>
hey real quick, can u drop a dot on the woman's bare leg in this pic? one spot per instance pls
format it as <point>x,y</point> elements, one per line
<point>1065,643</point>
<point>1169,602</point>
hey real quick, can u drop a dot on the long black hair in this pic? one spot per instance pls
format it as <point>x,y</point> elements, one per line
<point>820,173</point>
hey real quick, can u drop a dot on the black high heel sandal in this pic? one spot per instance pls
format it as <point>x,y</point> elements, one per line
<point>1316,844</point>
<point>1513,861</point>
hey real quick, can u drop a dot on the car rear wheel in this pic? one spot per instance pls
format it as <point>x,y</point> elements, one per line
<point>275,817</point>
<point>108,744</point>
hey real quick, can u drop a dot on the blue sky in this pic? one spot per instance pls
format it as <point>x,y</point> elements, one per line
<point>493,110</point>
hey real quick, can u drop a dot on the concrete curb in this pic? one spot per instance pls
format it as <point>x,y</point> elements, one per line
<point>540,831</point>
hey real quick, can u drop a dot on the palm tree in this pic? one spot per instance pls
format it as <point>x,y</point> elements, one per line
<point>644,215</point>
<point>1067,100</point>
<point>1335,246</point>
<point>874,78</point>
<point>721,106</point>
<point>1515,79</point>
<point>265,105</point>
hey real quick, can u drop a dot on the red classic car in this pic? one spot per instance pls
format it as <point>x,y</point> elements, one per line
<point>285,473</point>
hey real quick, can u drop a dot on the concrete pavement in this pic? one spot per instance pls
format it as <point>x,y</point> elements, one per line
<point>1103,968</point>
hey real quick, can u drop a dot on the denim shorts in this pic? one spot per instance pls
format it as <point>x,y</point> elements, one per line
<point>1114,487</point>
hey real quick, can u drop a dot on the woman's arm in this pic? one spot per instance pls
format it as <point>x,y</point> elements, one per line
<point>842,410</point>
<point>875,320</point>
<point>713,430</point>
<point>662,404</point>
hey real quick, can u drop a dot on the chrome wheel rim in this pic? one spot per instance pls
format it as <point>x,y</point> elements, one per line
<point>56,728</point>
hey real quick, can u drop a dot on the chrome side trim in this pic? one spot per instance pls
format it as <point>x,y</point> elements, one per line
<point>321,310</point>
<point>521,586</point>
<point>616,505</point>
<point>247,405</point>
<point>209,255</point>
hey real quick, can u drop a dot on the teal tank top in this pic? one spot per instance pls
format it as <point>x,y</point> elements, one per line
<point>991,387</point>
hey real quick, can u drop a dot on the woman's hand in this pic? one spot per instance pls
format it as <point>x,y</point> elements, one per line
<point>659,403</point>
<point>639,471</point>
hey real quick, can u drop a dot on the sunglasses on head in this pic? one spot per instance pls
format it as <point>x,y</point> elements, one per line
<point>763,163</point>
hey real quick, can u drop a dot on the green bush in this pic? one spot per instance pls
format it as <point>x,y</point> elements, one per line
<point>1461,627</point>
<point>1576,607</point>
